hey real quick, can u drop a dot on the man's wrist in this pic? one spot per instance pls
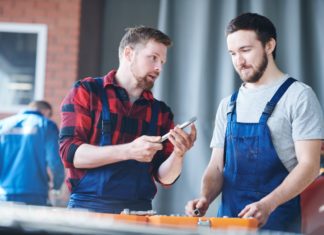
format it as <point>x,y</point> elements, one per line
<point>271,202</point>
<point>125,151</point>
<point>178,155</point>
<point>205,198</point>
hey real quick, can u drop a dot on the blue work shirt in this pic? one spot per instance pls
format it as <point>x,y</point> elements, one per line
<point>28,146</point>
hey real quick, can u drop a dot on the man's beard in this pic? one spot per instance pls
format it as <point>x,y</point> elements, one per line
<point>255,77</point>
<point>142,81</point>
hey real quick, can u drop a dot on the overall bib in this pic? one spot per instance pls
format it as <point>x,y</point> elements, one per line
<point>252,168</point>
<point>115,187</point>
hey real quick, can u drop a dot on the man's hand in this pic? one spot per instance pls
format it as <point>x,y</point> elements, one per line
<point>197,207</point>
<point>182,141</point>
<point>144,148</point>
<point>260,210</point>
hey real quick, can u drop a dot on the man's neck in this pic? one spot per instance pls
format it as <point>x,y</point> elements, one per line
<point>271,75</point>
<point>127,81</point>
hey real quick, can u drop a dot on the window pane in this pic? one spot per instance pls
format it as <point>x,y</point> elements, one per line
<point>17,68</point>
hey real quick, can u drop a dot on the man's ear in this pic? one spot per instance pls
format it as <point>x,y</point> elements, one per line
<point>128,53</point>
<point>270,46</point>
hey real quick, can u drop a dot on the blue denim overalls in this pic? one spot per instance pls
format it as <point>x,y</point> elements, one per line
<point>114,187</point>
<point>253,169</point>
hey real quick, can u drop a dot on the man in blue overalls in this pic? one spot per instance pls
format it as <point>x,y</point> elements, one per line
<point>30,165</point>
<point>266,141</point>
<point>110,138</point>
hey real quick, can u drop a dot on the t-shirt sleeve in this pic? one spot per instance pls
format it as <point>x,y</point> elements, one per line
<point>307,117</point>
<point>220,124</point>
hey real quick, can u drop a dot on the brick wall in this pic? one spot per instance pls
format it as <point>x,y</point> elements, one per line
<point>62,18</point>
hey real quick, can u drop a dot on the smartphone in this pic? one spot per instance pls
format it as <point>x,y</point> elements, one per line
<point>182,126</point>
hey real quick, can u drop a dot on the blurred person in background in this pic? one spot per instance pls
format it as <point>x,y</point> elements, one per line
<point>110,138</point>
<point>30,164</point>
<point>267,137</point>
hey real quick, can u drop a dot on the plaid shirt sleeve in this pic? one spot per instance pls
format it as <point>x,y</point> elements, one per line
<point>166,121</point>
<point>75,122</point>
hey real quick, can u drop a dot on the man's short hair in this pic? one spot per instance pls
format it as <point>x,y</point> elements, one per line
<point>141,35</point>
<point>41,105</point>
<point>261,25</point>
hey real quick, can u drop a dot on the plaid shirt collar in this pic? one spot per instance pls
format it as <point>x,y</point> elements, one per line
<point>110,80</point>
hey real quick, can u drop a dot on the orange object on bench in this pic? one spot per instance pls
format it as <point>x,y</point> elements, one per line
<point>194,222</point>
<point>123,217</point>
<point>226,223</point>
<point>182,221</point>
<point>185,221</point>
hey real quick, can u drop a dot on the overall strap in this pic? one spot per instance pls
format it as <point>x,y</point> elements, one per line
<point>231,108</point>
<point>274,100</point>
<point>154,118</point>
<point>105,138</point>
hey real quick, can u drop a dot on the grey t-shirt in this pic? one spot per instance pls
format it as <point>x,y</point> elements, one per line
<point>297,116</point>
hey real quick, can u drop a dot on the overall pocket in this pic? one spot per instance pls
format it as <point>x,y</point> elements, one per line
<point>246,160</point>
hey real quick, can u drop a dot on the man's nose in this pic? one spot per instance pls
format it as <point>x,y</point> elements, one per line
<point>158,67</point>
<point>240,61</point>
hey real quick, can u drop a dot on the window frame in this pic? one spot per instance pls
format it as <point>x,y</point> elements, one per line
<point>41,50</point>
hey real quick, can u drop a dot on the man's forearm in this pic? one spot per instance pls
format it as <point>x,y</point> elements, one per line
<point>91,156</point>
<point>308,156</point>
<point>298,179</point>
<point>170,169</point>
<point>141,149</point>
<point>212,183</point>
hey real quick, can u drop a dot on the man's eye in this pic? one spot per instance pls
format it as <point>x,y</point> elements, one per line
<point>153,57</point>
<point>246,50</point>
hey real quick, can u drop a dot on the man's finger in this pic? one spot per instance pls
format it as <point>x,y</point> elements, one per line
<point>153,139</point>
<point>193,132</point>
<point>243,212</point>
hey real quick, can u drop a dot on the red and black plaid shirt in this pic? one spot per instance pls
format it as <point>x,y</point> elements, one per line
<point>81,113</point>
